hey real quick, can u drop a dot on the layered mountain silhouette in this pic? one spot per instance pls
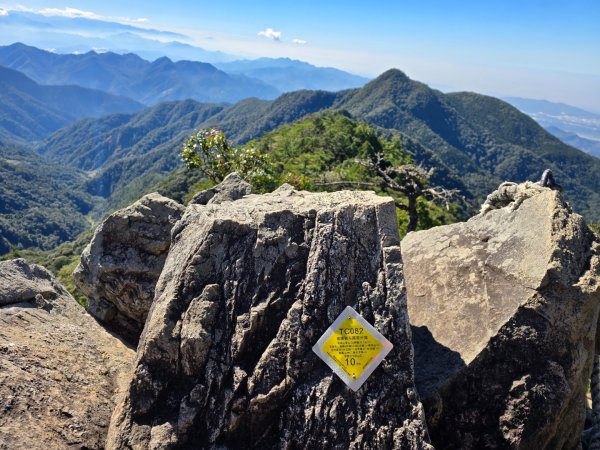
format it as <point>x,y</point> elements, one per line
<point>287,74</point>
<point>591,146</point>
<point>29,111</point>
<point>574,126</point>
<point>64,34</point>
<point>474,141</point>
<point>163,79</point>
<point>134,77</point>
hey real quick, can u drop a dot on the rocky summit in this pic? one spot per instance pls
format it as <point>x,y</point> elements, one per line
<point>234,291</point>
<point>225,359</point>
<point>59,369</point>
<point>504,311</point>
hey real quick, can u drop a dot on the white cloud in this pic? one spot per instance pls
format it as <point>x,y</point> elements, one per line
<point>270,33</point>
<point>3,12</point>
<point>74,13</point>
<point>299,41</point>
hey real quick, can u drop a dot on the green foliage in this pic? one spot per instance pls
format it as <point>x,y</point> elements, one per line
<point>474,142</point>
<point>430,215</point>
<point>210,152</point>
<point>595,227</point>
<point>325,147</point>
<point>41,204</point>
<point>326,151</point>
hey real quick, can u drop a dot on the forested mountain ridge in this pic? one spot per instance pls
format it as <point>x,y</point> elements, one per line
<point>472,141</point>
<point>29,111</point>
<point>41,204</point>
<point>475,141</point>
<point>125,154</point>
<point>482,139</point>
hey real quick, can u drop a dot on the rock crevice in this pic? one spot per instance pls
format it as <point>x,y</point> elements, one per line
<point>226,360</point>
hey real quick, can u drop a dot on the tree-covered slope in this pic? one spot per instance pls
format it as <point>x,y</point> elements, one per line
<point>251,118</point>
<point>41,204</point>
<point>127,153</point>
<point>474,142</point>
<point>29,111</point>
<point>327,150</point>
<point>520,148</point>
<point>482,139</point>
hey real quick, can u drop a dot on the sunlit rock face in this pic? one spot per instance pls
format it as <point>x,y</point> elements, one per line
<point>504,309</point>
<point>225,359</point>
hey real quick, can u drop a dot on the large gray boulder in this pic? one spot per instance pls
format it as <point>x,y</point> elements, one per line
<point>225,359</point>
<point>121,265</point>
<point>59,369</point>
<point>504,310</point>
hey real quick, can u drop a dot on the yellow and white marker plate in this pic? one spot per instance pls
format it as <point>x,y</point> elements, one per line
<point>352,347</point>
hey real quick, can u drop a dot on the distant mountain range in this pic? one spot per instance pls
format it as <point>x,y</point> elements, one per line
<point>152,82</point>
<point>574,126</point>
<point>29,111</point>
<point>288,75</point>
<point>82,34</point>
<point>590,146</point>
<point>133,77</point>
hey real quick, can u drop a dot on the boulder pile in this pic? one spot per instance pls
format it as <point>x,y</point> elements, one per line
<point>228,296</point>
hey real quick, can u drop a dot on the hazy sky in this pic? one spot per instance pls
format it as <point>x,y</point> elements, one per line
<point>532,48</point>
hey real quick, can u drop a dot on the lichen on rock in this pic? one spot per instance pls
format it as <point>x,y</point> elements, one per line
<point>249,286</point>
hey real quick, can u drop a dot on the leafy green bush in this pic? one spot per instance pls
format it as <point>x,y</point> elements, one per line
<point>325,151</point>
<point>210,152</point>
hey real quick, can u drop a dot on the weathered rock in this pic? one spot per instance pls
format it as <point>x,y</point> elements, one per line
<point>233,187</point>
<point>121,265</point>
<point>225,359</point>
<point>504,310</point>
<point>22,282</point>
<point>59,369</point>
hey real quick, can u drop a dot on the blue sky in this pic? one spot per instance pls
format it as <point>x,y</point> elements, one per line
<point>538,49</point>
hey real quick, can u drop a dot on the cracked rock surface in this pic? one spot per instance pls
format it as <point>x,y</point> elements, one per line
<point>59,369</point>
<point>225,359</point>
<point>504,310</point>
<point>121,265</point>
